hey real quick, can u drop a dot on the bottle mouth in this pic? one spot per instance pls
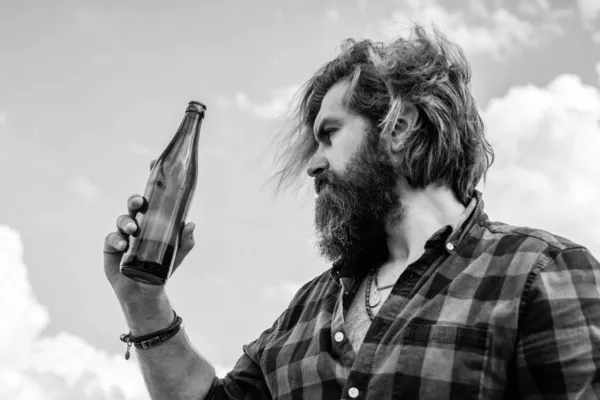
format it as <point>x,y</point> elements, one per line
<point>196,104</point>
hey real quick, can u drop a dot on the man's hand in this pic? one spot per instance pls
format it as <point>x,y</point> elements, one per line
<point>116,243</point>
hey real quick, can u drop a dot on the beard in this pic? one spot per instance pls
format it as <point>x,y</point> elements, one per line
<point>354,209</point>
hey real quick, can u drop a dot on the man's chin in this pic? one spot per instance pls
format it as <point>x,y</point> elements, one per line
<point>328,252</point>
<point>327,244</point>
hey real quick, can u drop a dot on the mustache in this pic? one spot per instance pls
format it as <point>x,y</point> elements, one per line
<point>321,181</point>
<point>334,181</point>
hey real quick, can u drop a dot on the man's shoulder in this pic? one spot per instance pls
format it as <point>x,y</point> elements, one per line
<point>520,251</point>
<point>310,299</point>
<point>525,238</point>
<point>315,289</point>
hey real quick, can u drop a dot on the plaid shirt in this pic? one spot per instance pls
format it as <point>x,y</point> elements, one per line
<point>489,311</point>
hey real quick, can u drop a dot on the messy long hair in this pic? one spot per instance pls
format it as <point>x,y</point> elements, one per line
<point>446,145</point>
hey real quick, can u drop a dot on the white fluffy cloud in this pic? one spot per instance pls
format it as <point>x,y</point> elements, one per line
<point>62,367</point>
<point>547,143</point>
<point>275,107</point>
<point>481,28</point>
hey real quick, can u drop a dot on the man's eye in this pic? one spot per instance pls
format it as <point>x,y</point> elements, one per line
<point>328,132</point>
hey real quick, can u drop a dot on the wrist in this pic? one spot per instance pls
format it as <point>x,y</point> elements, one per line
<point>153,339</point>
<point>144,315</point>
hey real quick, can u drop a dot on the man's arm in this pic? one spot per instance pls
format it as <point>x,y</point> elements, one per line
<point>558,349</point>
<point>174,369</point>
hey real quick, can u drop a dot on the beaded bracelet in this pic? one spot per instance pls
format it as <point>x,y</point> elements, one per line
<point>152,339</point>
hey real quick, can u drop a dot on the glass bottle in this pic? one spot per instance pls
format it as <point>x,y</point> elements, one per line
<point>168,195</point>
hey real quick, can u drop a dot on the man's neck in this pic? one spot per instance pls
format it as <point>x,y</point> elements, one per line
<point>426,211</point>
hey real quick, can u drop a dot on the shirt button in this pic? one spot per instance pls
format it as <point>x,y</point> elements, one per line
<point>353,392</point>
<point>339,336</point>
<point>449,246</point>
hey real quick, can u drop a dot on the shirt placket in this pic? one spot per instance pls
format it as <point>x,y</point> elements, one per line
<point>361,363</point>
<point>339,337</point>
<point>355,382</point>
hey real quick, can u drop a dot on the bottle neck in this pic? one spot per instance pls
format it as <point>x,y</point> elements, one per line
<point>185,142</point>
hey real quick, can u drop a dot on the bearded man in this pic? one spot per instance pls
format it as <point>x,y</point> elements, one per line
<point>426,298</point>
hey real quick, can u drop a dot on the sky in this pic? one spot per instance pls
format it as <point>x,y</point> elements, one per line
<point>91,92</point>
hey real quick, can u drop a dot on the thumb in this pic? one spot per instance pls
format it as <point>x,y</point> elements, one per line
<point>186,244</point>
<point>187,237</point>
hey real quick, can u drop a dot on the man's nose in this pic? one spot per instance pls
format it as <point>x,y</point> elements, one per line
<point>317,167</point>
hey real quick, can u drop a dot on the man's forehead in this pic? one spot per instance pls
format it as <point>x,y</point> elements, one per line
<point>333,105</point>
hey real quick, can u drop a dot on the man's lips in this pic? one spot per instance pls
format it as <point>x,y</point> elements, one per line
<point>320,184</point>
<point>321,191</point>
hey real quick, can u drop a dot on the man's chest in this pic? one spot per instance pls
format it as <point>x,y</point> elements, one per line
<point>357,317</point>
<point>425,338</point>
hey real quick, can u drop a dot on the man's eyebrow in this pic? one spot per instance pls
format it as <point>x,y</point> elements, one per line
<point>326,120</point>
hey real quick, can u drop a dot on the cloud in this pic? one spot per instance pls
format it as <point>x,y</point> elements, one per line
<point>84,187</point>
<point>273,108</point>
<point>533,7</point>
<point>62,367</point>
<point>589,11</point>
<point>547,144</point>
<point>598,72</point>
<point>486,29</point>
<point>2,118</point>
<point>22,316</point>
<point>333,14</point>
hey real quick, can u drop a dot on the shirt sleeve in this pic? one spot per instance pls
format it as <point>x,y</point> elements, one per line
<point>558,347</point>
<point>246,380</point>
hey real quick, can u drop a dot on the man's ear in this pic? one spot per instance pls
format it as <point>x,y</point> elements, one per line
<point>404,126</point>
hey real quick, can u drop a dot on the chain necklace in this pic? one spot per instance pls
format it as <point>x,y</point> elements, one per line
<point>376,296</point>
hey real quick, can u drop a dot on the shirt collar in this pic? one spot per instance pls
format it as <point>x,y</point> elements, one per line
<point>468,218</point>
<point>345,273</point>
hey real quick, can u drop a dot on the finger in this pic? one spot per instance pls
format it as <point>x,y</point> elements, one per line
<point>135,204</point>
<point>115,243</point>
<point>187,236</point>
<point>126,225</point>
<point>186,244</point>
<point>152,163</point>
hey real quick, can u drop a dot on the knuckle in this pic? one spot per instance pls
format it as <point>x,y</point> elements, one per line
<point>123,220</point>
<point>143,205</point>
<point>131,202</point>
<point>112,239</point>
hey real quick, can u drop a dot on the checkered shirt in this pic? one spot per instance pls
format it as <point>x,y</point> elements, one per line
<point>490,311</point>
